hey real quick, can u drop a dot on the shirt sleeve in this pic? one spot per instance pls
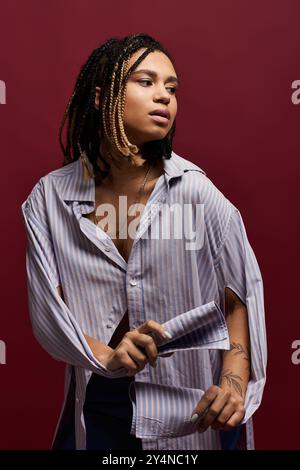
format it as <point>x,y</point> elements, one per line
<point>53,324</point>
<point>203,327</point>
<point>237,268</point>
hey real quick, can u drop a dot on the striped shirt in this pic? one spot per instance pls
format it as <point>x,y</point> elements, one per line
<point>181,288</point>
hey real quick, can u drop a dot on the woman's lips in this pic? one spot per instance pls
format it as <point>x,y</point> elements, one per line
<point>158,118</point>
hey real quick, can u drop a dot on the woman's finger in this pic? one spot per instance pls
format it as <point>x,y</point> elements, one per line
<point>224,416</point>
<point>235,419</point>
<point>152,326</point>
<point>202,407</point>
<point>214,410</point>
<point>146,344</point>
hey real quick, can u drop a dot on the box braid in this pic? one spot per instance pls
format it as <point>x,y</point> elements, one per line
<point>107,67</point>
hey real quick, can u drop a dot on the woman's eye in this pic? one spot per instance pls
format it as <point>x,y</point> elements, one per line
<point>143,81</point>
<point>173,90</point>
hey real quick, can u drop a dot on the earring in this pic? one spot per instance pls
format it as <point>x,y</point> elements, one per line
<point>87,171</point>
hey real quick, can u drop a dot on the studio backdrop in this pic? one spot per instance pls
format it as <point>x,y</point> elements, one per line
<point>238,119</point>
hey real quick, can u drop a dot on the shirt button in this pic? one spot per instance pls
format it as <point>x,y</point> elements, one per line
<point>133,282</point>
<point>107,248</point>
<point>77,400</point>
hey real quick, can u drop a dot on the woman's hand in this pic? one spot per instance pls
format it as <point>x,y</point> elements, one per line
<point>220,408</point>
<point>127,354</point>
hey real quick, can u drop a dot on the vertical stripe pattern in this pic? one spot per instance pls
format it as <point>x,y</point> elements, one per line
<point>163,280</point>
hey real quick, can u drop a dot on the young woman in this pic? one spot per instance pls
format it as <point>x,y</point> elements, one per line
<point>163,337</point>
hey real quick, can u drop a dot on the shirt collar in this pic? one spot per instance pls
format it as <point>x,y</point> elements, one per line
<point>76,188</point>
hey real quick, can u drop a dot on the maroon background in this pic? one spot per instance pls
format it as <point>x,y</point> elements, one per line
<point>236,60</point>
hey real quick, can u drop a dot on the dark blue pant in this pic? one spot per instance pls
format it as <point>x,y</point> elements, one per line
<point>107,413</point>
<point>235,439</point>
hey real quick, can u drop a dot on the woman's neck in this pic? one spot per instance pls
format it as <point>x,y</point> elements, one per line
<point>123,173</point>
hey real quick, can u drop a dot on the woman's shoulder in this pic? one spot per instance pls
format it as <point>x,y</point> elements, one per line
<point>217,207</point>
<point>63,171</point>
<point>201,186</point>
<point>35,199</point>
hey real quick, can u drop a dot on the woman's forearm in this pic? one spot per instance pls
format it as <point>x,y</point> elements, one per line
<point>235,372</point>
<point>99,349</point>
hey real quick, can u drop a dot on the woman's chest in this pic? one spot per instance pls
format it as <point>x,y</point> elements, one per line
<point>119,216</point>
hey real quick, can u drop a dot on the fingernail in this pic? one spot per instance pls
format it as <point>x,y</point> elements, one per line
<point>194,417</point>
<point>167,335</point>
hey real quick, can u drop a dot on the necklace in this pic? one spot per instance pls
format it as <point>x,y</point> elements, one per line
<point>137,200</point>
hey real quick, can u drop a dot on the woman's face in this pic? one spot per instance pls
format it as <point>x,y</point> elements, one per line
<point>147,92</point>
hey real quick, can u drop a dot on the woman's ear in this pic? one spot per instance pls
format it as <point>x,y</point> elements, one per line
<point>98,90</point>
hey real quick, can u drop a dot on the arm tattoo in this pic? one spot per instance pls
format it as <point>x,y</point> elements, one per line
<point>232,380</point>
<point>241,350</point>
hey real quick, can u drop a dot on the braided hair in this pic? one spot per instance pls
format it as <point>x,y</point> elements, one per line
<point>107,67</point>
